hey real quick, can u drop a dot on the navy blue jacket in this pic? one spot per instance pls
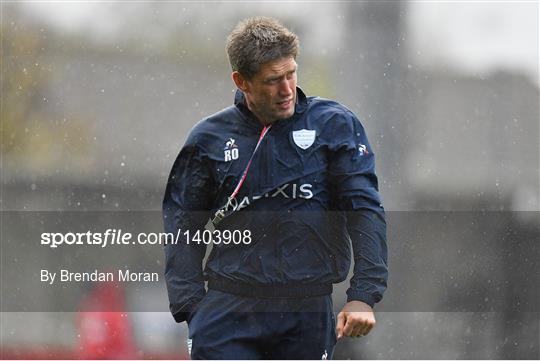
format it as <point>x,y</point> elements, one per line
<point>310,192</point>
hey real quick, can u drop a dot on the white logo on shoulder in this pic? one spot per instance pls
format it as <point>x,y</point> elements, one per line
<point>231,150</point>
<point>324,355</point>
<point>362,149</point>
<point>304,138</point>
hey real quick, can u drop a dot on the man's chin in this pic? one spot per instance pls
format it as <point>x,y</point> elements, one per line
<point>286,114</point>
<point>280,116</point>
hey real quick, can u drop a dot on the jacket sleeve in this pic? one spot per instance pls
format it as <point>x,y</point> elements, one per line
<point>352,171</point>
<point>186,206</point>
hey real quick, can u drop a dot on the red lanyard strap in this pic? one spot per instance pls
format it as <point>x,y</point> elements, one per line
<point>221,213</point>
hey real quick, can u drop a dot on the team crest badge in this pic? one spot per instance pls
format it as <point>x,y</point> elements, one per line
<point>304,138</point>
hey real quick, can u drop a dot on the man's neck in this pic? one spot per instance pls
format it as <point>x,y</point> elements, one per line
<point>255,113</point>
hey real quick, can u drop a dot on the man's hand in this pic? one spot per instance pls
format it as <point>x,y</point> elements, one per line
<point>355,319</point>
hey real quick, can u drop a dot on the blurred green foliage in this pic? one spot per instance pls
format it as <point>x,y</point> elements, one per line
<point>31,128</point>
<point>314,78</point>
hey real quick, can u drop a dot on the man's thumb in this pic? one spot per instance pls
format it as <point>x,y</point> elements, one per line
<point>340,325</point>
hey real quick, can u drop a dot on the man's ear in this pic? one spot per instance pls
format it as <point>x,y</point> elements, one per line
<point>240,81</point>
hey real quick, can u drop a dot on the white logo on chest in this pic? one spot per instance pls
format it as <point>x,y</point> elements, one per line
<point>304,138</point>
<point>230,151</point>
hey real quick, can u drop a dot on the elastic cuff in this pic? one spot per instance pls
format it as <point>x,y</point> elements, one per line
<point>180,316</point>
<point>367,298</point>
<point>182,313</point>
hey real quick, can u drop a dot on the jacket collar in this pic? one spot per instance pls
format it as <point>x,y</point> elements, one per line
<point>299,108</point>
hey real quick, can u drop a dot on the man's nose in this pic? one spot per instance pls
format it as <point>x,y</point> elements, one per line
<point>285,87</point>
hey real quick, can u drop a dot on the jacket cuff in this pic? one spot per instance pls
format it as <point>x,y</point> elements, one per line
<point>181,316</point>
<point>182,313</point>
<point>353,295</point>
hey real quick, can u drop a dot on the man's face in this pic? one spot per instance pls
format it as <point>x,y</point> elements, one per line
<point>271,93</point>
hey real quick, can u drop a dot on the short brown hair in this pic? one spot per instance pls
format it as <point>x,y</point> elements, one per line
<point>258,40</point>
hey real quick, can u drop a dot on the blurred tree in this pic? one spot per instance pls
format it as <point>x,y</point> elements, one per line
<point>21,80</point>
<point>315,79</point>
<point>29,126</point>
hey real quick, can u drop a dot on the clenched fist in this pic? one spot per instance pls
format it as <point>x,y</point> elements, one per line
<point>355,319</point>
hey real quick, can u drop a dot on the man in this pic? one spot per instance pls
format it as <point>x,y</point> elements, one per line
<point>294,178</point>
